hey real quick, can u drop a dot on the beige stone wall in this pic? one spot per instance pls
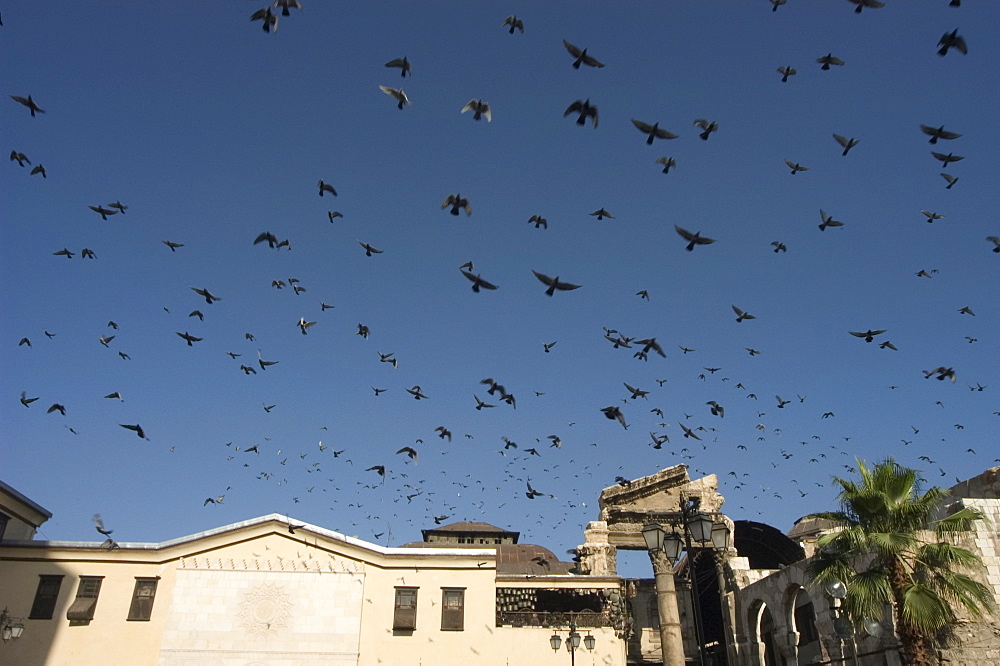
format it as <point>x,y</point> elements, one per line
<point>258,595</point>
<point>978,639</point>
<point>232,617</point>
<point>101,642</point>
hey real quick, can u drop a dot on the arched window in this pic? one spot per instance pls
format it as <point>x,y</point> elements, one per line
<point>804,617</point>
<point>766,637</point>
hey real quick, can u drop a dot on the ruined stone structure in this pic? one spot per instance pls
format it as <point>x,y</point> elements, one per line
<point>782,621</point>
<point>760,611</point>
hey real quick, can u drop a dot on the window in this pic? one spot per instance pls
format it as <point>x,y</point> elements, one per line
<point>82,610</point>
<point>142,599</point>
<point>452,609</point>
<point>405,614</point>
<point>45,598</point>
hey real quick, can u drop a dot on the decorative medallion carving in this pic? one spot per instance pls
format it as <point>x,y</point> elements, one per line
<point>265,609</point>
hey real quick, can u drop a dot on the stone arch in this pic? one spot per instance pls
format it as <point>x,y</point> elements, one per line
<point>757,647</point>
<point>766,637</point>
<point>801,642</point>
<point>754,610</point>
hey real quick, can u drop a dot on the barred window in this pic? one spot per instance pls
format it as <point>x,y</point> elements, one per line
<point>405,613</point>
<point>452,609</point>
<point>142,599</point>
<point>81,612</point>
<point>46,595</point>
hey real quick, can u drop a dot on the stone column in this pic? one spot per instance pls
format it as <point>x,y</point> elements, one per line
<point>671,640</point>
<point>597,556</point>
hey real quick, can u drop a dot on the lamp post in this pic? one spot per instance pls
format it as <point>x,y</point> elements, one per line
<point>700,532</point>
<point>10,628</point>
<point>842,626</point>
<point>664,549</point>
<point>572,640</point>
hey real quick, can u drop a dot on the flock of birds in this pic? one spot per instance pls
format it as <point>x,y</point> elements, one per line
<point>520,469</point>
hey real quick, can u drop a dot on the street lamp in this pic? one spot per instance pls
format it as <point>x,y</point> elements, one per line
<point>10,628</point>
<point>842,626</point>
<point>700,532</point>
<point>572,640</point>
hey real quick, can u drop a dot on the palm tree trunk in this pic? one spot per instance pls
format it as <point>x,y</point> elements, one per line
<point>915,646</point>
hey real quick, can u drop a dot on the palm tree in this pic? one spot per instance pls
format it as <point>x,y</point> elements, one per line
<point>892,551</point>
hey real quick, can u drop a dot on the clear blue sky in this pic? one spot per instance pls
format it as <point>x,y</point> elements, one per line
<point>212,131</point>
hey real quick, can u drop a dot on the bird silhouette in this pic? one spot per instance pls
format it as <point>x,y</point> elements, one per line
<point>692,238</point>
<point>209,297</point>
<point>398,95</point>
<point>28,102</point>
<point>667,163</point>
<point>369,250</point>
<point>585,109</point>
<point>286,4</point>
<point>304,325</point>
<point>654,131</point>
<point>829,59</point>
<point>614,413</point>
<point>952,40</point>
<point>478,282</point>
<point>796,167</point>
<point>582,57</point>
<point>409,451</point>
<point>828,221</point>
<point>942,374</point>
<point>861,4</point>
<point>786,71</point>
<point>416,392</point>
<point>845,142</point>
<point>99,525</point>
<point>741,315</point>
<point>137,429</point>
<point>947,159</point>
<point>936,133</point>
<point>403,64</point>
<point>479,108</point>
<point>103,212</point>
<point>707,126</point>
<point>513,23</point>
<point>457,202</point>
<point>554,283</point>
<point>270,21</point>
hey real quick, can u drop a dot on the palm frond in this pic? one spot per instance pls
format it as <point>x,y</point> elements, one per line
<point>941,555</point>
<point>867,594</point>
<point>960,521</point>
<point>924,609</point>
<point>960,588</point>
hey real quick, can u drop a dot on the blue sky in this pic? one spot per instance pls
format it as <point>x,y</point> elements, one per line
<point>212,131</point>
